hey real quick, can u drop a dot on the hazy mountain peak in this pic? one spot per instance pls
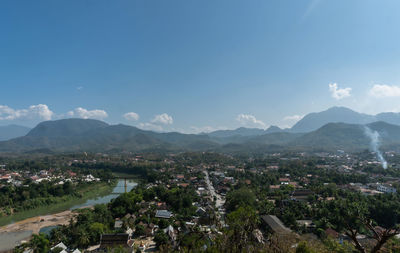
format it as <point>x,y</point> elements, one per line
<point>313,121</point>
<point>273,129</point>
<point>66,127</point>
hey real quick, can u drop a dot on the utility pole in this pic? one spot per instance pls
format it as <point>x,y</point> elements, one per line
<point>125,185</point>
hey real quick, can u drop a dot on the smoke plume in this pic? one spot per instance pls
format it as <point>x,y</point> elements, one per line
<point>374,137</point>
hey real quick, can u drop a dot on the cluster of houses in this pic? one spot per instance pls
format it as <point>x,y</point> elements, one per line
<point>17,177</point>
<point>207,216</point>
<point>126,229</point>
<point>371,188</point>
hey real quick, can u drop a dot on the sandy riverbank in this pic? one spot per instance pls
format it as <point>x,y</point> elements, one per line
<point>11,235</point>
<point>36,223</point>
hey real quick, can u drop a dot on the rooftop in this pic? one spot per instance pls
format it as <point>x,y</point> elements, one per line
<point>275,224</point>
<point>163,214</point>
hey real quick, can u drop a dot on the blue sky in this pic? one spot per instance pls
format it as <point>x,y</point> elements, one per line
<point>192,66</point>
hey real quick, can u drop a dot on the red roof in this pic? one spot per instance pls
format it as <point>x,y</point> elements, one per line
<point>332,233</point>
<point>72,174</point>
<point>274,186</point>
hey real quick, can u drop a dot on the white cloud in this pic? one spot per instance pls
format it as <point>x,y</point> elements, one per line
<point>151,127</point>
<point>133,116</point>
<point>383,90</point>
<point>79,88</point>
<point>249,120</point>
<point>290,120</point>
<point>163,119</point>
<point>39,111</point>
<point>155,124</point>
<point>293,118</point>
<point>88,114</point>
<point>338,93</point>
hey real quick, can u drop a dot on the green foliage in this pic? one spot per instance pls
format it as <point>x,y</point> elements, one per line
<point>160,238</point>
<point>139,230</point>
<point>125,203</point>
<point>193,241</point>
<point>239,198</point>
<point>242,224</point>
<point>303,247</point>
<point>39,243</point>
<point>334,246</point>
<point>56,250</point>
<point>163,223</point>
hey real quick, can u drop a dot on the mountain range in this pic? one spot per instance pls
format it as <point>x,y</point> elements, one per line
<point>313,121</point>
<point>335,128</point>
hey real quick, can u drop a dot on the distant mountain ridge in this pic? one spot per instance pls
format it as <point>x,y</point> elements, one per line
<point>243,131</point>
<point>73,135</point>
<point>69,135</point>
<point>66,127</point>
<point>313,121</point>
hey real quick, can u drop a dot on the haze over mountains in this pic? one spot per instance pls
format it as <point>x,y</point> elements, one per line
<point>12,131</point>
<point>313,121</point>
<point>335,128</point>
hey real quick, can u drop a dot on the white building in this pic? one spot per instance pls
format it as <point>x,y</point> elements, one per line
<point>386,189</point>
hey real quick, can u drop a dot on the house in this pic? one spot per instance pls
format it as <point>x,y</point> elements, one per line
<point>161,205</point>
<point>307,224</point>
<point>259,236</point>
<point>170,231</point>
<point>130,217</point>
<point>142,247</point>
<point>34,178</point>
<point>118,224</point>
<point>108,241</point>
<point>273,167</point>
<point>274,187</point>
<point>386,189</point>
<point>301,194</point>
<point>275,225</point>
<point>331,233</point>
<point>5,177</point>
<point>149,229</point>
<point>165,214</point>
<point>284,180</point>
<point>201,211</point>
<point>60,246</point>
<point>129,231</point>
<point>71,174</point>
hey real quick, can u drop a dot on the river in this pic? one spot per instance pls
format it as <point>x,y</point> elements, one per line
<point>120,188</point>
<point>8,240</point>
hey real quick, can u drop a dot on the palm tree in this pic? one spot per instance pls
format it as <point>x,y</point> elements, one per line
<point>83,238</point>
<point>39,243</point>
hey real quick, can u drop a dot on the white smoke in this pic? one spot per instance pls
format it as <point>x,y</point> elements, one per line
<point>374,136</point>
